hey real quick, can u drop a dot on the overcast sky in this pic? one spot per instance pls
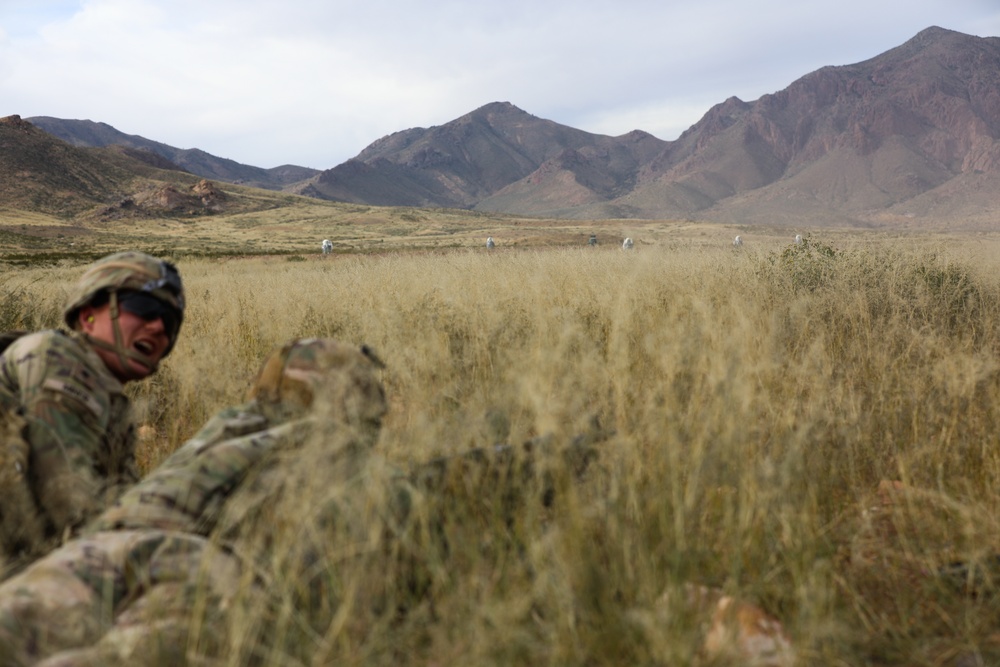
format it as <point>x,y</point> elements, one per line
<point>312,82</point>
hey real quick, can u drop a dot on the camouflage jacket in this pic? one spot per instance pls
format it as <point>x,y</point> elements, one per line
<point>78,428</point>
<point>186,492</point>
<point>123,591</point>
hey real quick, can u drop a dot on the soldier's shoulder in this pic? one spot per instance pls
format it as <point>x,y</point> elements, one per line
<point>41,353</point>
<point>8,337</point>
<point>43,341</point>
<point>55,361</point>
<point>231,422</point>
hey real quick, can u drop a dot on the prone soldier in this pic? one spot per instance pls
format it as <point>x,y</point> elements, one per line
<point>126,584</point>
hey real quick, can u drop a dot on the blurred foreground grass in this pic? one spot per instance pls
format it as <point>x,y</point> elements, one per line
<point>757,400</point>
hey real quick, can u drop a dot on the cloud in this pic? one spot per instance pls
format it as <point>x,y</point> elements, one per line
<point>313,82</point>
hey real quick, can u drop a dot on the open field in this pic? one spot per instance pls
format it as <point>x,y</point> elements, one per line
<point>276,224</point>
<point>759,400</point>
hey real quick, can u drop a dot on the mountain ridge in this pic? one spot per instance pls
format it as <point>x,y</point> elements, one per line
<point>88,133</point>
<point>82,185</point>
<point>911,133</point>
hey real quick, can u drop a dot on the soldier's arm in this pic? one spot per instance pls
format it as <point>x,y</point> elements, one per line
<point>186,492</point>
<point>118,470</point>
<point>532,459</point>
<point>65,428</point>
<point>63,439</point>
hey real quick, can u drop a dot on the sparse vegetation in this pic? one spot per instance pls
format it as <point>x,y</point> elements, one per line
<point>758,401</point>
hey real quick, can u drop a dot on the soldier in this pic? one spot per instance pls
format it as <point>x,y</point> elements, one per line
<point>135,563</point>
<point>124,590</point>
<point>68,448</point>
<point>305,389</point>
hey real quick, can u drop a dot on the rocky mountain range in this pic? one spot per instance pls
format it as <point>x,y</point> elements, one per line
<point>41,174</point>
<point>98,135</point>
<point>910,135</point>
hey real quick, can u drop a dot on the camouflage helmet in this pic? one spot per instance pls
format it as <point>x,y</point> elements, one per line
<point>324,376</point>
<point>128,271</point>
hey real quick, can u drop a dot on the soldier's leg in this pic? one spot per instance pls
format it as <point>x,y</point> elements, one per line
<point>49,607</point>
<point>175,585</point>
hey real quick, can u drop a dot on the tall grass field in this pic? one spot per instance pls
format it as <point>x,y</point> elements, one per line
<point>813,429</point>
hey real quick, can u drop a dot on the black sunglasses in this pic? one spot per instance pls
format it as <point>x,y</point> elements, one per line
<point>149,308</point>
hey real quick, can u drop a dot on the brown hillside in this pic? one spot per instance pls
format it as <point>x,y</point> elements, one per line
<point>86,133</point>
<point>465,162</point>
<point>889,139</point>
<point>846,143</point>
<point>41,173</point>
<point>907,136</point>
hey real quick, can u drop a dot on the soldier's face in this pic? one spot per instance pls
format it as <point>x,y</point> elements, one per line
<point>147,337</point>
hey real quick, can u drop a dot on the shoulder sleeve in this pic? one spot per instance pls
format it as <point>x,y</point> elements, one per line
<point>66,404</point>
<point>186,491</point>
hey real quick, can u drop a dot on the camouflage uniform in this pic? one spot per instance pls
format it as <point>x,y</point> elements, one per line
<point>182,539</point>
<point>69,447</point>
<point>78,423</point>
<point>123,590</point>
<point>303,389</point>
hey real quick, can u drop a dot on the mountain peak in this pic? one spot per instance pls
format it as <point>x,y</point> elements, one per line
<point>935,32</point>
<point>494,107</point>
<point>499,110</point>
<point>16,121</point>
<point>913,131</point>
<point>935,41</point>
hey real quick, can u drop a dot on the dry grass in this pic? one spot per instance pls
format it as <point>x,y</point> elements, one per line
<point>758,399</point>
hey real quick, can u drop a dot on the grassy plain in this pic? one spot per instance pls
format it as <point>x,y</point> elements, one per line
<point>758,400</point>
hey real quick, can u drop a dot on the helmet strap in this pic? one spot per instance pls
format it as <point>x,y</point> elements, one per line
<point>124,353</point>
